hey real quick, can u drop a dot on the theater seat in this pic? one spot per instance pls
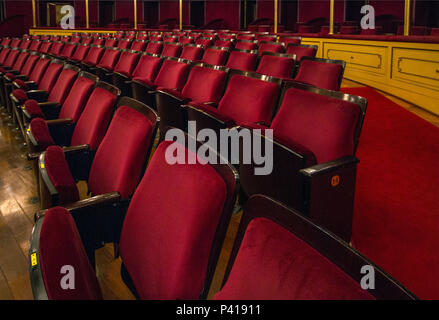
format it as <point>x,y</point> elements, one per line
<point>154,47</point>
<point>186,40</point>
<point>215,56</point>
<point>107,63</point>
<point>249,98</point>
<point>316,133</point>
<point>123,71</point>
<point>79,54</point>
<point>149,252</point>
<point>171,49</point>
<point>246,45</point>
<point>279,255</point>
<point>205,41</point>
<point>322,73</point>
<point>243,60</point>
<point>301,50</point>
<point>192,52</point>
<point>287,40</point>
<point>68,51</point>
<point>139,45</point>
<point>205,84</point>
<point>269,46</point>
<point>278,65</point>
<point>124,149</point>
<point>93,57</point>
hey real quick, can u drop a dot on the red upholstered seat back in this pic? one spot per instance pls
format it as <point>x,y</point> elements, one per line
<point>171,50</point>
<point>215,57</point>
<point>120,157</point>
<point>41,133</point>
<point>156,38</point>
<point>109,59</point>
<point>274,264</point>
<point>80,53</point>
<point>62,86</point>
<point>172,75</point>
<point>21,59</point>
<point>86,40</point>
<point>281,67</point>
<point>59,174</point>
<point>50,76</point>
<point>205,85</point>
<point>95,118</point>
<point>154,47</point>
<point>39,69</point>
<point>301,52</point>
<point>75,39</point>
<point>244,61</point>
<point>167,254</point>
<point>191,53</point>
<point>245,37</point>
<point>270,47</point>
<point>138,46</point>
<point>98,41</point>
<point>4,54</point>
<point>246,45</point>
<point>29,65</point>
<point>324,125</point>
<point>56,48</point>
<point>126,63</point>
<point>110,42</point>
<point>35,45</point>
<point>68,50</point>
<point>204,42</point>
<point>45,47</point>
<point>186,40</point>
<point>15,43</point>
<point>263,37</point>
<point>249,100</point>
<point>223,43</point>
<point>320,74</point>
<point>12,56</point>
<point>60,245</point>
<point>25,44</point>
<point>147,68</point>
<point>76,99</point>
<point>94,55</point>
<point>124,44</point>
<point>6,41</point>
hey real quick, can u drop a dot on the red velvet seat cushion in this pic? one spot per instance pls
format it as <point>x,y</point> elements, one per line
<point>147,68</point>
<point>281,67</point>
<point>171,50</point>
<point>192,53</point>
<point>215,57</point>
<point>172,75</point>
<point>301,52</point>
<point>270,47</point>
<point>41,134</point>
<point>244,45</point>
<point>249,100</point>
<point>154,48</point>
<point>77,98</point>
<point>29,65</point>
<point>20,94</point>
<point>93,56</point>
<point>204,42</point>
<point>205,85</point>
<point>109,59</point>
<point>241,61</point>
<point>170,225</point>
<point>272,263</point>
<point>50,76</point>
<point>319,74</point>
<point>33,109</point>
<point>223,43</point>
<point>61,245</point>
<point>333,122</point>
<point>121,155</point>
<point>59,173</point>
<point>11,76</point>
<point>94,120</point>
<point>126,63</point>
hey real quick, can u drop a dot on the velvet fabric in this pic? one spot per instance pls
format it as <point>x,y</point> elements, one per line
<point>186,40</point>
<point>61,245</point>
<point>270,47</point>
<point>29,65</point>
<point>68,50</point>
<point>204,42</point>
<point>4,54</point>
<point>334,122</point>
<point>95,118</point>
<point>205,85</point>
<point>215,57</point>
<point>93,56</point>
<point>45,47</point>
<point>171,50</point>
<point>172,75</point>
<point>33,109</point>
<point>274,264</point>
<point>76,99</point>
<point>154,47</point>
<point>249,100</point>
<point>19,63</point>
<point>59,174</point>
<point>110,42</point>
<point>56,48</point>
<point>20,94</point>
<point>119,160</point>
<point>124,44</point>
<point>301,52</point>
<point>41,133</point>
<point>138,46</point>
<point>167,254</point>
<point>241,61</point>
<point>62,86</point>
<point>35,46</point>
<point>244,45</point>
<point>11,76</point>
<point>80,53</point>
<point>10,60</point>
<point>109,59</point>
<point>280,67</point>
<point>320,74</point>
<point>147,68</point>
<point>50,76</point>
<point>222,43</point>
<point>192,53</point>
<point>126,63</point>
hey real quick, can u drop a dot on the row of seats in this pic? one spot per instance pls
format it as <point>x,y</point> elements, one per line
<point>110,153</point>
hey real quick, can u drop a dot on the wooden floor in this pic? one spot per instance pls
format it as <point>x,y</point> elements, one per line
<point>18,202</point>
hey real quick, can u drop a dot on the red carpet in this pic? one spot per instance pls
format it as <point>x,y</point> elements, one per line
<point>396,219</point>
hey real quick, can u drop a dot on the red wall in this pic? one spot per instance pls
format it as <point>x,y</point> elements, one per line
<point>124,9</point>
<point>23,7</point>
<point>169,9</point>
<point>227,10</point>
